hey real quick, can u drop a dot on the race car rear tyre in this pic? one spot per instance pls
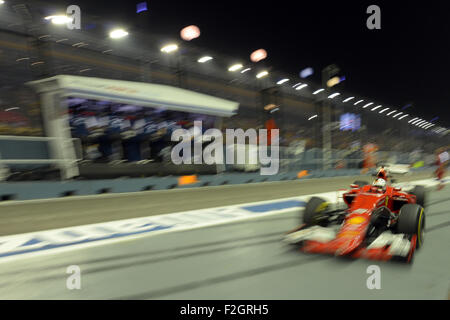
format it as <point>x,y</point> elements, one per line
<point>419,192</point>
<point>361,183</point>
<point>315,212</point>
<point>411,221</point>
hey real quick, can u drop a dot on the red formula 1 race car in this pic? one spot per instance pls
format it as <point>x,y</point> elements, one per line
<point>378,222</point>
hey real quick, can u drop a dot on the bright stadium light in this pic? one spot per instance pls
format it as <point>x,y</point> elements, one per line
<point>296,85</point>
<point>334,95</point>
<point>190,33</point>
<point>348,99</point>
<point>358,102</point>
<point>58,19</point>
<point>367,105</point>
<point>246,70</point>
<point>318,91</point>
<point>313,117</point>
<point>419,123</point>
<point>395,116</point>
<point>2,1</point>
<point>305,73</point>
<point>392,112</point>
<point>384,110</point>
<point>283,81</point>
<point>258,55</point>
<point>431,125</point>
<point>235,67</point>
<point>412,120</point>
<point>204,59</point>
<point>416,121</point>
<point>403,117</point>
<point>169,48</point>
<point>262,74</point>
<point>118,33</point>
<point>300,87</point>
<point>13,108</point>
<point>333,81</point>
<point>376,108</point>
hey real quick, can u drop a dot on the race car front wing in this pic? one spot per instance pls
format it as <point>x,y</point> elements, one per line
<point>386,246</point>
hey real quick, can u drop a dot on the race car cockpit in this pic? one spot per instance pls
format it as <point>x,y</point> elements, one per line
<point>379,185</point>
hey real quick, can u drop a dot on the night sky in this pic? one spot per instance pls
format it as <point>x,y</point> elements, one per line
<point>406,62</point>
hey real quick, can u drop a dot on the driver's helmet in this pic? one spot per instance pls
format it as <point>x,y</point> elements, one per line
<point>380,183</point>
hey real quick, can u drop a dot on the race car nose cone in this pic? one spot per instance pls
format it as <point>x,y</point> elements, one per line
<point>345,246</point>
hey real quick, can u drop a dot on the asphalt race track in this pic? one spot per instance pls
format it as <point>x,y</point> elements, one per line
<point>33,215</point>
<point>243,260</point>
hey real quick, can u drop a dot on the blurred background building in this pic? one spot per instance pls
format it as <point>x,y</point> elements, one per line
<point>34,48</point>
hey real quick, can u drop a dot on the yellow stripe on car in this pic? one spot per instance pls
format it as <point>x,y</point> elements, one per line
<point>419,238</point>
<point>357,220</point>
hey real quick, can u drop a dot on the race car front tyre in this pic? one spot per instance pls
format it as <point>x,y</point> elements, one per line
<point>419,192</point>
<point>411,221</point>
<point>315,212</point>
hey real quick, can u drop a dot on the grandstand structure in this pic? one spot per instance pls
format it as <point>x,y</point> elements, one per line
<point>34,49</point>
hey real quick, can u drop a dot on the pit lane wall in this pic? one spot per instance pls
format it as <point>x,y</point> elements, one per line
<point>56,189</point>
